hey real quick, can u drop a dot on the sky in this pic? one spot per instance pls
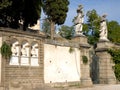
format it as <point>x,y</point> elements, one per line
<point>109,7</point>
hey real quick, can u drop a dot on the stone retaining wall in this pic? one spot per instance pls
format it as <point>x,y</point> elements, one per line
<point>22,74</point>
<point>14,75</point>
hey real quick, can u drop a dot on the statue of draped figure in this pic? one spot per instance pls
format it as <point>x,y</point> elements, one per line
<point>78,21</point>
<point>103,29</point>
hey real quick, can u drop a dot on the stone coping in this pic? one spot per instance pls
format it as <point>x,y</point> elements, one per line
<point>21,32</point>
<point>101,49</point>
<point>62,43</point>
<point>22,66</point>
<point>68,43</point>
<point>85,45</point>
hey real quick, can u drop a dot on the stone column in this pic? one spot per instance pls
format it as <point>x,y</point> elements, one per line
<point>85,68</point>
<point>106,72</point>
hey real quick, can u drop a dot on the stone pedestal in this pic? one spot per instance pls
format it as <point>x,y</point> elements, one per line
<point>81,39</point>
<point>106,72</point>
<point>85,68</point>
<point>85,75</point>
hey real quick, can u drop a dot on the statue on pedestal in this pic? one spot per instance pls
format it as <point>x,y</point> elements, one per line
<point>103,29</point>
<point>78,22</point>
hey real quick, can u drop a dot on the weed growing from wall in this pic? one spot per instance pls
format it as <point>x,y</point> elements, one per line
<point>85,59</point>
<point>71,50</point>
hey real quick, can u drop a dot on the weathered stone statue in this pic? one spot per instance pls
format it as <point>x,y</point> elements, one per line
<point>33,52</point>
<point>14,51</point>
<point>78,22</point>
<point>24,52</point>
<point>103,29</point>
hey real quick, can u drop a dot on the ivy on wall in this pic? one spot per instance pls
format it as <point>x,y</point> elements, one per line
<point>115,53</point>
<point>71,50</point>
<point>85,59</point>
<point>6,50</point>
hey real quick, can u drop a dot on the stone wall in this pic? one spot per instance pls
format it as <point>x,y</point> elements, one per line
<point>61,65</point>
<point>26,72</point>
<point>24,75</point>
<point>34,69</point>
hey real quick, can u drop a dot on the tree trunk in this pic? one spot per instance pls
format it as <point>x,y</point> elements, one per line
<point>52,29</point>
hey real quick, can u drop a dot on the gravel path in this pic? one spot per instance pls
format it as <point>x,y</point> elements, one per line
<point>94,87</point>
<point>100,87</point>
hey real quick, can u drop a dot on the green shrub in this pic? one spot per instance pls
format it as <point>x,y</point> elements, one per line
<point>115,53</point>
<point>117,71</point>
<point>6,50</point>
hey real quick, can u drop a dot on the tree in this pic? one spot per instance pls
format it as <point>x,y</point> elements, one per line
<point>46,26</point>
<point>85,29</point>
<point>4,4</point>
<point>66,31</point>
<point>92,26</point>
<point>27,11</point>
<point>31,12</point>
<point>56,11</point>
<point>114,31</point>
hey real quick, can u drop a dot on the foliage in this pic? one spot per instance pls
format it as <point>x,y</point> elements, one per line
<point>85,59</point>
<point>6,50</point>
<point>115,53</point>
<point>27,11</point>
<point>31,12</point>
<point>92,26</point>
<point>46,26</point>
<point>56,11</point>
<point>66,31</point>
<point>114,31</point>
<point>85,29</point>
<point>71,50</point>
<point>117,71</point>
<point>4,4</point>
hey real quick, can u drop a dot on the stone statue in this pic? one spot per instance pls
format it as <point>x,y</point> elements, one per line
<point>78,22</point>
<point>14,50</point>
<point>33,52</point>
<point>24,52</point>
<point>103,28</point>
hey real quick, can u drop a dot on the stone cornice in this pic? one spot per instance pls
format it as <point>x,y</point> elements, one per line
<point>19,32</point>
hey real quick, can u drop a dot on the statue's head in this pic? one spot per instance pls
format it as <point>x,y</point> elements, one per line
<point>104,15</point>
<point>80,7</point>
